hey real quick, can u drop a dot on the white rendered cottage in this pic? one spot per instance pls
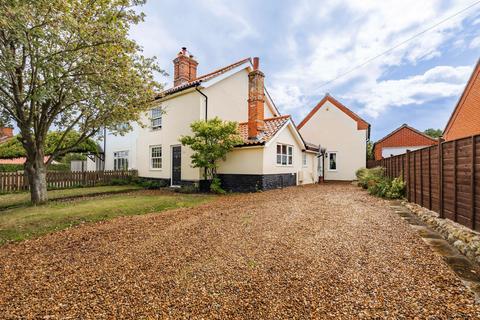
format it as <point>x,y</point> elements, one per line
<point>342,133</point>
<point>272,155</point>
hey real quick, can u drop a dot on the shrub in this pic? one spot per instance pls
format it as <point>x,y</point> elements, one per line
<point>368,177</point>
<point>216,186</point>
<point>190,188</point>
<point>377,184</point>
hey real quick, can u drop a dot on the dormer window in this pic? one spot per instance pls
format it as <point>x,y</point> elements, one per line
<point>156,118</point>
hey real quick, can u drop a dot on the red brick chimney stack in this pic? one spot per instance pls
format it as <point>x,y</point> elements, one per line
<point>256,100</point>
<point>185,67</point>
<point>6,132</point>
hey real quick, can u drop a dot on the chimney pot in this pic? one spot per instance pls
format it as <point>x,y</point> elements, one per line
<point>256,63</point>
<point>185,68</point>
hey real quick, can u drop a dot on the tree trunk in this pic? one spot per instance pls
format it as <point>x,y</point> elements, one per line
<point>37,179</point>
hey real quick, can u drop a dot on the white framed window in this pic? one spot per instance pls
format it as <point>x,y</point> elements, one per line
<point>155,157</point>
<point>122,126</point>
<point>332,161</point>
<point>304,159</point>
<point>284,155</point>
<point>156,118</point>
<point>120,160</point>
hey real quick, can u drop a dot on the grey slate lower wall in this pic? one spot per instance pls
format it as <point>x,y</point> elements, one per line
<point>256,182</point>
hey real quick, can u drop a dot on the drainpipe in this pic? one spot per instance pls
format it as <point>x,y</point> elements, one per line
<point>206,117</point>
<point>206,102</point>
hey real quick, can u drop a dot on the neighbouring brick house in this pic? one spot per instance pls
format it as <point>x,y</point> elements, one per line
<point>273,153</point>
<point>400,140</point>
<point>465,119</point>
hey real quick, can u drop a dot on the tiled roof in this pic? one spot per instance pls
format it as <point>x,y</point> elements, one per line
<point>272,125</point>
<point>202,78</point>
<point>21,160</point>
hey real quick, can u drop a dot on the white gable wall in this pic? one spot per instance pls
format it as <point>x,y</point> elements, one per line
<point>337,132</point>
<point>180,112</point>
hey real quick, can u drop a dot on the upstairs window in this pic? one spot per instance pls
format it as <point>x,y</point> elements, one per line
<point>120,160</point>
<point>156,118</point>
<point>284,154</point>
<point>156,157</point>
<point>332,161</point>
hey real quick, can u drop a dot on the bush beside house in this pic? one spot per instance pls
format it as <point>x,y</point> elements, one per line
<point>375,181</point>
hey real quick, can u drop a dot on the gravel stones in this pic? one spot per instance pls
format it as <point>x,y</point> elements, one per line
<point>321,251</point>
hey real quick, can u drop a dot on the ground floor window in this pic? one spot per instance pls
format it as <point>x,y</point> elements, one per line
<point>155,157</point>
<point>304,159</point>
<point>284,154</point>
<point>120,160</point>
<point>332,161</point>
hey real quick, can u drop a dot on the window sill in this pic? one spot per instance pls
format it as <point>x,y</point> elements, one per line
<point>156,169</point>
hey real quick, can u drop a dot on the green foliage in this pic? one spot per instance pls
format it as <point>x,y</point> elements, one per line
<point>216,186</point>
<point>21,167</point>
<point>143,183</point>
<point>13,148</point>
<point>367,177</point>
<point>434,133</point>
<point>379,185</point>
<point>211,141</point>
<point>370,154</point>
<point>189,188</point>
<point>70,65</point>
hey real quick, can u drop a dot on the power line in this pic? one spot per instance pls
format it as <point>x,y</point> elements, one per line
<point>399,45</point>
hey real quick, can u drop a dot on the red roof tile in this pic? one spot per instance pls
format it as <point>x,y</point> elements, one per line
<point>202,78</point>
<point>272,125</point>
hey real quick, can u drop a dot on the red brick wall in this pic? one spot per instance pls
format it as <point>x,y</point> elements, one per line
<point>465,120</point>
<point>404,137</point>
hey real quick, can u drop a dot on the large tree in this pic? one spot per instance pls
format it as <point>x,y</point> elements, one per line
<point>69,65</point>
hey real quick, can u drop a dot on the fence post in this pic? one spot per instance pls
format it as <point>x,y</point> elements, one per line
<point>440,178</point>
<point>430,178</point>
<point>408,176</point>
<point>455,180</point>
<point>414,177</point>
<point>472,181</point>
<point>421,178</point>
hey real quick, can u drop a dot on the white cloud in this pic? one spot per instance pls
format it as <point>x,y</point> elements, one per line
<point>241,26</point>
<point>344,34</point>
<point>435,83</point>
<point>475,43</point>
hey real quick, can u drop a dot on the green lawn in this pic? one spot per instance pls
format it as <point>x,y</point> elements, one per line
<point>23,198</point>
<point>22,223</point>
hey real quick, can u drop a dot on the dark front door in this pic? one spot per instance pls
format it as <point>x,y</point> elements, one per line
<point>176,165</point>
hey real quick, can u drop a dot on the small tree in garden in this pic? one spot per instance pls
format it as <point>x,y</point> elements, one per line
<point>69,65</point>
<point>211,141</point>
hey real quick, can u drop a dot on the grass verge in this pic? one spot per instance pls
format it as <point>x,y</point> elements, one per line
<point>23,198</point>
<point>29,222</point>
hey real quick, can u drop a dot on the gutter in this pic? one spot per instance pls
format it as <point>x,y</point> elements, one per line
<point>206,101</point>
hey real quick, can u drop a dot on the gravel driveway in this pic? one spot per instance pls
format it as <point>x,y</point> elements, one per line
<point>328,251</point>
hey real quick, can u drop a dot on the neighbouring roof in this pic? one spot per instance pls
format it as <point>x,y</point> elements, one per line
<point>201,79</point>
<point>361,124</point>
<point>272,126</point>
<point>461,102</point>
<point>20,160</point>
<point>405,126</point>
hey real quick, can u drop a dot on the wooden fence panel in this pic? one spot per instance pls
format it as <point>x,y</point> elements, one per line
<point>444,178</point>
<point>18,181</point>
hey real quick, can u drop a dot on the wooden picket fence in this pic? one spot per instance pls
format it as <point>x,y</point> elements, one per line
<point>444,178</point>
<point>18,181</point>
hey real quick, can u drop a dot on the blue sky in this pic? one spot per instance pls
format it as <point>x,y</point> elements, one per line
<point>304,44</point>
